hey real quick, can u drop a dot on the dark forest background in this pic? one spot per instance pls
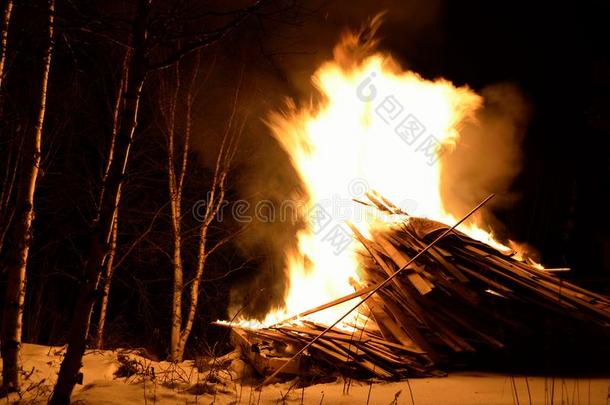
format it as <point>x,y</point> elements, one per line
<point>556,53</point>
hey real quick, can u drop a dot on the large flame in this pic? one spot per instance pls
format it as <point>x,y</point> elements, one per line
<point>376,126</point>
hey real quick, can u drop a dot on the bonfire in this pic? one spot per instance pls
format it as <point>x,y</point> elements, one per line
<point>428,298</point>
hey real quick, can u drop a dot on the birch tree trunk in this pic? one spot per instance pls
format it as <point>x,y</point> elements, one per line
<point>215,202</point>
<point>175,183</point>
<point>176,174</point>
<point>11,167</point>
<point>108,268</point>
<point>102,230</point>
<point>6,19</point>
<point>181,329</point>
<point>18,257</point>
<point>99,239</point>
<point>68,374</point>
<point>108,272</point>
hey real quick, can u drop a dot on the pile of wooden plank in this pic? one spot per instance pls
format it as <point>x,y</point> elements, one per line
<point>461,296</point>
<point>361,352</point>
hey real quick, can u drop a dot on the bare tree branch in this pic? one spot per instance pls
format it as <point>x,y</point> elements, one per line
<point>199,40</point>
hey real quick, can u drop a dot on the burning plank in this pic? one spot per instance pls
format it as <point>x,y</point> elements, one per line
<point>460,296</point>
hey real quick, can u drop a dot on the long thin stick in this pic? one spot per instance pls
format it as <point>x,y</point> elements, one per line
<point>330,304</point>
<point>370,294</point>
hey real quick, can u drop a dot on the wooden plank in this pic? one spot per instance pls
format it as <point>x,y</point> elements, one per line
<point>421,284</point>
<point>474,329</point>
<point>330,335</point>
<point>413,306</point>
<point>491,283</point>
<point>389,329</point>
<point>330,304</point>
<point>331,350</point>
<point>437,256</point>
<point>262,364</point>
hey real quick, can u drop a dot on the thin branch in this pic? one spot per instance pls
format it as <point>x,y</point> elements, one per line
<point>139,239</point>
<point>227,274</point>
<point>224,240</point>
<point>206,39</point>
<point>188,123</point>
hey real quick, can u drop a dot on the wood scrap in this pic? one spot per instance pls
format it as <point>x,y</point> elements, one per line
<point>460,296</point>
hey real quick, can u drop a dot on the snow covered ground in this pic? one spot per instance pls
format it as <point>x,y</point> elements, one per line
<point>167,383</point>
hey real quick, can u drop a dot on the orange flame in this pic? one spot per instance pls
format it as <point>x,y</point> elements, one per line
<point>377,126</point>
